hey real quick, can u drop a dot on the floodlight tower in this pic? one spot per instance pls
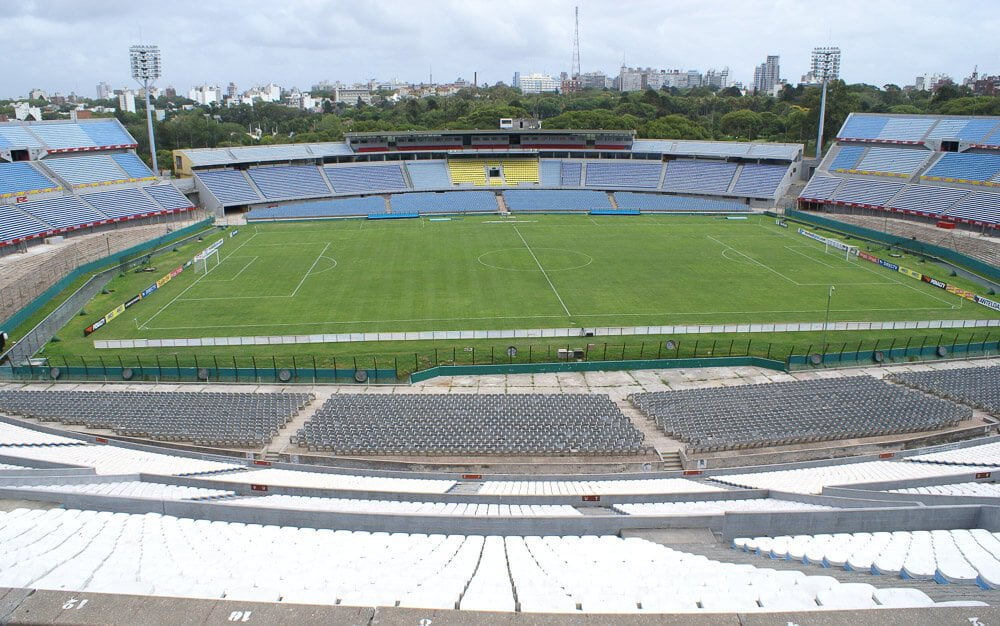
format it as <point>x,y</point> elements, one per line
<point>146,69</point>
<point>825,67</point>
<point>575,69</point>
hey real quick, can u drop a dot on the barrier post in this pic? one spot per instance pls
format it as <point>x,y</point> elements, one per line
<point>104,368</point>
<point>316,374</point>
<point>253,359</point>
<point>218,374</point>
<point>177,364</point>
<point>236,369</point>
<point>142,371</point>
<point>159,368</point>
<point>695,355</point>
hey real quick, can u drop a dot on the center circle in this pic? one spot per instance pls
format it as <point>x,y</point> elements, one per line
<point>524,260</point>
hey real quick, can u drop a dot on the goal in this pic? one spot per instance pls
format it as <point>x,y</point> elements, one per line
<point>203,261</point>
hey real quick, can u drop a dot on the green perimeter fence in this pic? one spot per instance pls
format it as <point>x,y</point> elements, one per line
<point>514,359</point>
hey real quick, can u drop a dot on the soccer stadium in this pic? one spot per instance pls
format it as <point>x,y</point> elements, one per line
<point>502,375</point>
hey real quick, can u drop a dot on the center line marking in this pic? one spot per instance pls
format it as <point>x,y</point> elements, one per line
<point>544,273</point>
<point>311,268</point>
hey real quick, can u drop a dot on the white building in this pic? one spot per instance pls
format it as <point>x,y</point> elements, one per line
<point>37,94</point>
<point>23,110</point>
<point>103,91</point>
<point>265,93</point>
<point>126,101</point>
<point>767,75</point>
<point>536,83</point>
<point>716,78</point>
<point>205,94</point>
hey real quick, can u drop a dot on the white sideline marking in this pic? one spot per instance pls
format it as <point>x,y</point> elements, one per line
<point>544,273</point>
<point>311,268</point>
<point>810,257</point>
<point>229,280</point>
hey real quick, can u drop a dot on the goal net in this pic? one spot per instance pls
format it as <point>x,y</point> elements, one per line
<point>206,261</point>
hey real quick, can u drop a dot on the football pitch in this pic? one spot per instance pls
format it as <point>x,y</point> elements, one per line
<point>535,271</point>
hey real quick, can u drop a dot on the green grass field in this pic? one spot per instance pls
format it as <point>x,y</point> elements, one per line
<point>481,273</point>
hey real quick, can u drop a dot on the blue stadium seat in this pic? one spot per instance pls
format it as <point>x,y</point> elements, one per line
<point>22,177</point>
<point>556,200</point>
<point>86,169</point>
<point>571,173</point>
<point>759,180</point>
<point>429,175</point>
<point>712,177</point>
<point>616,175</point>
<point>935,200</point>
<point>132,165</point>
<point>168,197</point>
<point>293,181</point>
<point>16,224</point>
<point>108,133</point>
<point>965,166</point>
<point>862,127</point>
<point>341,207</point>
<point>870,192</point>
<point>63,212</point>
<point>229,186</point>
<point>447,202</point>
<point>978,206</point>
<point>62,136</point>
<point>971,130</point>
<point>550,172</point>
<point>350,179</point>
<point>906,128</point>
<point>17,137</point>
<point>821,187</point>
<point>659,202</point>
<point>847,157</point>
<point>894,161</point>
<point>121,202</point>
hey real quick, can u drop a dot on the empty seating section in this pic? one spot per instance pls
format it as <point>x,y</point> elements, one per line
<point>699,176</point>
<point>449,202</point>
<point>133,165</point>
<point>571,173</point>
<point>909,129</point>
<point>366,178</point>
<point>322,480</point>
<point>107,133</point>
<point>8,466</point>
<point>892,161</point>
<point>556,200</point>
<point>17,137</point>
<point>229,186</point>
<point>812,480</point>
<point>657,202</point>
<point>63,212</point>
<point>975,386</point>
<point>167,196</point>
<point>616,175</point>
<point>62,136</point>
<point>469,424</point>
<point>16,224</point>
<point>133,489</point>
<point>428,174</point>
<point>971,130</point>
<point>469,172</point>
<point>122,202</point>
<point>162,555</point>
<point>847,158</point>
<point>22,178</point>
<point>293,181</point>
<point>987,454</point>
<point>393,507</point>
<point>821,187</point>
<point>927,199</point>
<point>321,208</point>
<point>862,127</point>
<point>869,192</point>
<point>549,173</point>
<point>217,419</point>
<point>747,416</point>
<point>87,170</point>
<point>970,489</point>
<point>966,167</point>
<point>518,171</point>
<point>759,180</point>
<point>475,172</point>
<point>643,486</point>
<point>716,507</point>
<point>978,206</point>
<point>945,556</point>
<point>108,460</point>
<point>14,435</point>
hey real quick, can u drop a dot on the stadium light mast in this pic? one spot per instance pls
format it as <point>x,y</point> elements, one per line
<point>825,67</point>
<point>575,64</point>
<point>145,61</point>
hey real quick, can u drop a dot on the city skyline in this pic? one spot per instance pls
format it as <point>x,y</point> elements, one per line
<point>299,43</point>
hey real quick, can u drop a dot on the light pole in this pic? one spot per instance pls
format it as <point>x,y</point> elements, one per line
<point>826,323</point>
<point>145,61</point>
<point>826,67</point>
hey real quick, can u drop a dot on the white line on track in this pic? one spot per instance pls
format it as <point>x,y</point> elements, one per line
<point>544,273</point>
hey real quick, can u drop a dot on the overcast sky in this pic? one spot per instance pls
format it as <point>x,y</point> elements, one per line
<point>70,45</point>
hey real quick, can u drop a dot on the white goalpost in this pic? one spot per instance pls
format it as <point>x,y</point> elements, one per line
<point>850,252</point>
<point>203,261</point>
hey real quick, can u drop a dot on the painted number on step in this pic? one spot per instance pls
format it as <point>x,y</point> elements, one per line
<point>240,616</point>
<point>74,603</point>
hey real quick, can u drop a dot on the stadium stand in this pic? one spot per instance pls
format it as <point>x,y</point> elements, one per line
<point>22,178</point>
<point>812,480</point>
<point>366,178</point>
<point>217,419</point>
<point>89,170</point>
<point>14,435</point>
<point>469,172</point>
<point>164,555</point>
<point>969,489</point>
<point>885,128</point>
<point>134,489</point>
<point>945,556</point>
<point>621,174</point>
<point>108,134</point>
<point>927,199</point>
<point>966,167</point>
<point>847,158</point>
<point>550,173</point>
<point>645,486</point>
<point>229,187</point>
<point>749,416</point>
<point>342,482</point>
<point>108,460</point>
<point>469,424</point>
<point>716,507</point>
<point>655,202</point>
<point>708,177</point>
<point>63,212</point>
<point>821,188</point>
<point>167,196</point>
<point>976,386</point>
<point>972,130</point>
<point>118,203</point>
<point>444,202</point>
<point>293,181</point>
<point>859,191</point>
<point>16,225</point>
<point>17,136</point>
<point>342,207</point>
<point>474,172</point>
<point>987,454</point>
<point>571,173</point>
<point>58,137</point>
<point>8,466</point>
<point>133,166</point>
<point>556,200</point>
<point>428,174</point>
<point>759,180</point>
<point>898,162</point>
<point>977,207</point>
<point>520,171</point>
<point>394,507</point>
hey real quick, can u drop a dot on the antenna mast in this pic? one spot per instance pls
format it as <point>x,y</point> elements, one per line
<point>575,69</point>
